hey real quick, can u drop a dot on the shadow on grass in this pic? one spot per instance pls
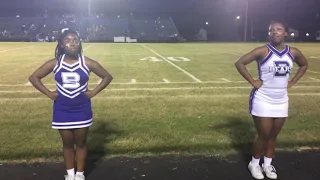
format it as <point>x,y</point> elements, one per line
<point>241,133</point>
<point>100,134</point>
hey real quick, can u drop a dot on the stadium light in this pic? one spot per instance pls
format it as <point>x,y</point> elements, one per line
<point>207,23</point>
<point>238,17</point>
<point>307,34</point>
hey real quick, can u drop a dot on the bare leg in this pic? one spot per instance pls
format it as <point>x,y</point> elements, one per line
<point>81,147</point>
<point>264,127</point>
<point>68,148</point>
<point>271,144</point>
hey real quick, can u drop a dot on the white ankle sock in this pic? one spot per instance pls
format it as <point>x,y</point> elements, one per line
<point>255,161</point>
<point>70,172</point>
<point>80,173</point>
<point>267,161</point>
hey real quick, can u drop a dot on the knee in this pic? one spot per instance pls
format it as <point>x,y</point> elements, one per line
<point>81,144</point>
<point>268,139</point>
<point>272,139</point>
<point>265,137</point>
<point>68,144</point>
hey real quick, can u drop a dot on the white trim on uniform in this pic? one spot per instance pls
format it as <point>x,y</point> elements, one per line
<point>71,123</point>
<point>72,127</point>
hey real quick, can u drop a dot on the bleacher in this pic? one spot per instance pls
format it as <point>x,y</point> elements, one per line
<point>92,29</point>
<point>20,28</point>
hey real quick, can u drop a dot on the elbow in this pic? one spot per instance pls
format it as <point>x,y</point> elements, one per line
<point>304,67</point>
<point>110,78</point>
<point>237,64</point>
<point>31,78</point>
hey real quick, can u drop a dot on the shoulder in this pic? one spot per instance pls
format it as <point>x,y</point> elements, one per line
<point>262,49</point>
<point>87,59</point>
<point>259,52</point>
<point>295,51</point>
<point>51,62</point>
<point>90,63</point>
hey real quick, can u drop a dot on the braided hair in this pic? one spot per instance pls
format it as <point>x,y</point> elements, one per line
<point>59,50</point>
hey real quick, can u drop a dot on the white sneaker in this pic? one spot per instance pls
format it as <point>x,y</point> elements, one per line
<point>79,177</point>
<point>69,177</point>
<point>256,171</point>
<point>270,171</point>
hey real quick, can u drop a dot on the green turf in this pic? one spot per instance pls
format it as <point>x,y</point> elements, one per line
<point>151,115</point>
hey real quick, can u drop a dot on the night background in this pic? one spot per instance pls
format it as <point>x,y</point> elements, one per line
<point>217,17</point>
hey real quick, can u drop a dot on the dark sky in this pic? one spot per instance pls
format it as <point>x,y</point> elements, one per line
<point>191,14</point>
<point>172,5</point>
<point>260,7</point>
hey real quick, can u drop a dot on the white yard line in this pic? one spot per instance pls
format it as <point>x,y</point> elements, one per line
<point>28,83</point>
<point>236,54</point>
<point>162,96</point>
<point>86,48</point>
<point>314,79</point>
<point>314,72</point>
<point>171,63</point>
<point>167,88</point>
<point>155,83</point>
<point>6,50</point>
<point>224,79</point>
<point>166,80</point>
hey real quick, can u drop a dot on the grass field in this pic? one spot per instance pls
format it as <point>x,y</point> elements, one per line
<point>165,98</point>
